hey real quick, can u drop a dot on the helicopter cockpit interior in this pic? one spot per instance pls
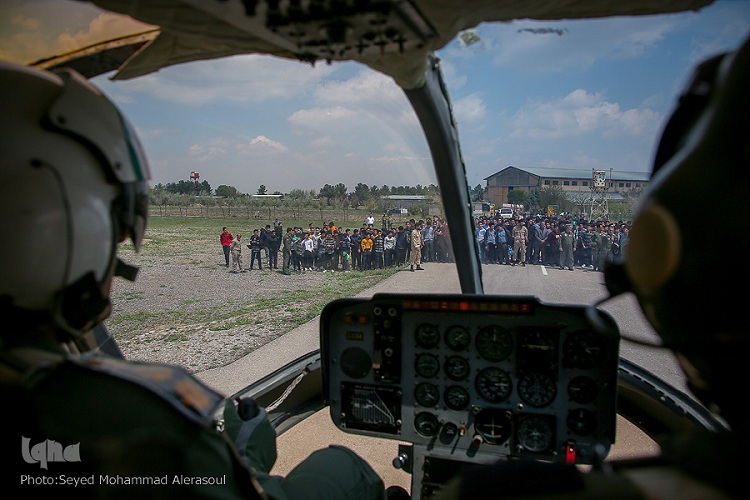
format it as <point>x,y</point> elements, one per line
<point>451,380</point>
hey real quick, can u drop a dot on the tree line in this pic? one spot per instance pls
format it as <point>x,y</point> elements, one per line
<point>338,196</point>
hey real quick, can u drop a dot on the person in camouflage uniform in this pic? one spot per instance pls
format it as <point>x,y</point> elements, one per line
<point>567,245</point>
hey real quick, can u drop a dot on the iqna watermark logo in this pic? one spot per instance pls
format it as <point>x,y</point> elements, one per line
<point>49,451</point>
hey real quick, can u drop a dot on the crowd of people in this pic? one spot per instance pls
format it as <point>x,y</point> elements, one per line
<point>330,248</point>
<point>562,242</point>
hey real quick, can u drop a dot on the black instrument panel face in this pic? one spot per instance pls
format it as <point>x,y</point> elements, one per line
<point>489,375</point>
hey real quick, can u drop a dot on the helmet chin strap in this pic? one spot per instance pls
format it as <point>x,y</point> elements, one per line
<point>82,303</point>
<point>125,270</point>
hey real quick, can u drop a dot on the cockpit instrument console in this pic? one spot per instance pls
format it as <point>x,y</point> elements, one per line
<point>473,378</point>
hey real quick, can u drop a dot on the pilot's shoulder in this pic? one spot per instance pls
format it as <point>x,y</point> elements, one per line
<point>173,384</point>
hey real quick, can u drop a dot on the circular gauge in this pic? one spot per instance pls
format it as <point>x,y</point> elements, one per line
<point>582,390</point>
<point>535,433</point>
<point>457,338</point>
<point>355,362</point>
<point>427,365</point>
<point>426,424</point>
<point>537,389</point>
<point>494,343</point>
<point>427,336</point>
<point>456,397</point>
<point>582,349</point>
<point>581,421</point>
<point>494,426</point>
<point>493,384</point>
<point>456,368</point>
<point>426,394</point>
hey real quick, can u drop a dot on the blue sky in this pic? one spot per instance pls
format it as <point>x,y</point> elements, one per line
<point>586,94</point>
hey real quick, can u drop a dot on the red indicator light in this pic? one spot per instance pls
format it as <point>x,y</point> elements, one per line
<point>463,306</point>
<point>570,453</point>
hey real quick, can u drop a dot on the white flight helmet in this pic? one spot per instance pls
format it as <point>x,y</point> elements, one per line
<point>74,185</point>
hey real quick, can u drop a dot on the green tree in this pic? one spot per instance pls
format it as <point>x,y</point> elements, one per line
<point>518,197</point>
<point>227,191</point>
<point>477,193</point>
<point>205,188</point>
<point>362,191</point>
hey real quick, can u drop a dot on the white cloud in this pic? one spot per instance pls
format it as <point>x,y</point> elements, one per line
<point>210,150</point>
<point>580,113</point>
<point>238,79</point>
<point>469,109</point>
<point>324,119</point>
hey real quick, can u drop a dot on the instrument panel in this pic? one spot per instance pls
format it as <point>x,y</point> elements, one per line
<point>473,377</point>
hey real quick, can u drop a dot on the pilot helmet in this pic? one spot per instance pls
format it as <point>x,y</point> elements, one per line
<point>686,256</point>
<point>74,185</point>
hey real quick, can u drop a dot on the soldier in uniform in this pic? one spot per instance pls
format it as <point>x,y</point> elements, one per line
<point>598,244</point>
<point>236,250</point>
<point>567,243</point>
<point>520,238</point>
<point>73,408</point>
<point>415,241</point>
<point>286,250</point>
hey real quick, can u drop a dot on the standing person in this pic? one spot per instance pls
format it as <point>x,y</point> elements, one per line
<point>416,247</point>
<point>356,240</point>
<point>225,238</point>
<point>441,249</point>
<point>502,244</point>
<point>366,248</point>
<point>309,248</point>
<point>584,245</point>
<point>264,237</point>
<point>594,244</point>
<point>566,247</point>
<point>273,243</point>
<point>604,248</point>
<point>428,239</point>
<point>401,245</point>
<point>490,244</point>
<point>389,248</point>
<point>553,246</point>
<point>408,229</point>
<point>480,241</point>
<point>298,249</point>
<point>346,251</point>
<point>536,233</point>
<point>287,247</point>
<point>520,239</point>
<point>254,247</point>
<point>624,240</point>
<point>316,251</point>
<point>328,247</point>
<point>378,250</point>
<point>236,249</point>
<point>370,220</point>
<point>117,417</point>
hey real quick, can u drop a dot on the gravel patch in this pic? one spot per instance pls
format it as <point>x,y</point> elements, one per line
<point>189,310</point>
